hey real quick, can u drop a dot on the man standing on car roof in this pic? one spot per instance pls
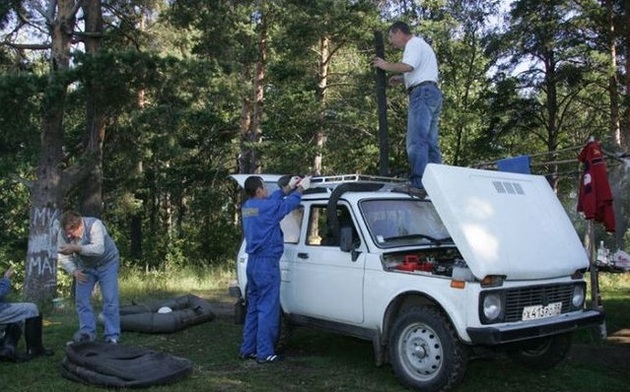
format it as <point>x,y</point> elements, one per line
<point>261,215</point>
<point>418,69</point>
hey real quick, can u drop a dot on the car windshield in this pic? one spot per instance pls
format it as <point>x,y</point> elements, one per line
<point>396,222</point>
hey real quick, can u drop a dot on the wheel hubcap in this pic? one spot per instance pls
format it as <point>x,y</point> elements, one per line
<point>422,351</point>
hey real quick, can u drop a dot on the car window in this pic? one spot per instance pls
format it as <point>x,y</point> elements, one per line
<point>320,232</point>
<point>402,221</point>
<point>291,225</point>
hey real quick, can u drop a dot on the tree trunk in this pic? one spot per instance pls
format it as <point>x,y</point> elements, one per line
<point>50,186</point>
<point>245,156</point>
<point>40,281</point>
<point>613,81</point>
<point>92,197</point>
<point>135,222</point>
<point>136,215</point>
<point>381,99</point>
<point>252,110</point>
<point>551,106</point>
<point>52,183</point>
<point>324,56</point>
<point>259,84</point>
<point>625,130</point>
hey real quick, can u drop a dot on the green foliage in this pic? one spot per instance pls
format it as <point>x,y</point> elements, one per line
<point>14,204</point>
<point>20,100</point>
<point>177,78</point>
<point>65,284</point>
<point>17,280</point>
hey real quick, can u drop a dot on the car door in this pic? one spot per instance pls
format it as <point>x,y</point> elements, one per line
<point>320,280</point>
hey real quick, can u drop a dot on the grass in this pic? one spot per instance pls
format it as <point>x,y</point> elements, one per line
<point>317,361</point>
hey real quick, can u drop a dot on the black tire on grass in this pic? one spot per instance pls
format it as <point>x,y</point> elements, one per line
<point>543,353</point>
<point>284,334</point>
<point>240,310</point>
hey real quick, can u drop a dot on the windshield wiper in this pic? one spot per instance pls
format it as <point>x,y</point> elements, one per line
<point>433,240</point>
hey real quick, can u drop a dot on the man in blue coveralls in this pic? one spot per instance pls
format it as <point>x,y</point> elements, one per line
<point>262,214</point>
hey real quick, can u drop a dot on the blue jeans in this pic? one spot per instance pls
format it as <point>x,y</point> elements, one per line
<point>262,321</point>
<point>107,278</point>
<point>425,105</point>
<point>14,312</point>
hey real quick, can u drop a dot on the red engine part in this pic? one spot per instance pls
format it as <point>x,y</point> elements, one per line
<point>413,263</point>
<point>410,263</point>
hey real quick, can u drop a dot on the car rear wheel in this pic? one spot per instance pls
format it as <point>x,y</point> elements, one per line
<point>284,333</point>
<point>240,310</point>
<point>424,350</point>
<point>543,353</point>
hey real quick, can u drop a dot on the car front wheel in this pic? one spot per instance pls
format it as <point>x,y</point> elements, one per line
<point>424,350</point>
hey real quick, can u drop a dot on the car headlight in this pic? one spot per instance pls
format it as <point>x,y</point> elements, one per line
<point>578,296</point>
<point>492,307</point>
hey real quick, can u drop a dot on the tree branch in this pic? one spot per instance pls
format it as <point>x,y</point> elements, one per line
<point>77,172</point>
<point>26,46</point>
<point>47,14</point>
<point>81,35</point>
<point>22,180</point>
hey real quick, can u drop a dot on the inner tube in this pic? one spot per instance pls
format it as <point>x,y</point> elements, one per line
<point>121,366</point>
<point>185,311</point>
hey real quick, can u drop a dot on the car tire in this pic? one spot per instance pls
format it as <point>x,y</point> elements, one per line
<point>543,353</point>
<point>424,350</point>
<point>240,310</point>
<point>284,334</point>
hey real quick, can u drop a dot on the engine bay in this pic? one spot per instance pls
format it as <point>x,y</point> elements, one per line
<point>446,262</point>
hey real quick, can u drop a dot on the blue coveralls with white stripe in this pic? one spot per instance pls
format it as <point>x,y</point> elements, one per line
<point>265,245</point>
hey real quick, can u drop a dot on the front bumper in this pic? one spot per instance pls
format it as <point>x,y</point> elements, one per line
<point>515,332</point>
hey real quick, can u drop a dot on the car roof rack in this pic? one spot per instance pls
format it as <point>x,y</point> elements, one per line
<point>345,178</point>
<point>327,184</point>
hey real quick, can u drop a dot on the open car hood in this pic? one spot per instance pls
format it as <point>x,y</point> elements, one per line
<point>505,223</point>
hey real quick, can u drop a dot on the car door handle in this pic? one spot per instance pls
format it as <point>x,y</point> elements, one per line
<point>302,255</point>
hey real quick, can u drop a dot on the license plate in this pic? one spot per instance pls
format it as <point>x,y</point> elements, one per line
<point>538,311</point>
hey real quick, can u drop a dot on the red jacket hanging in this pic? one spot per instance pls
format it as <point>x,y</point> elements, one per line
<point>595,197</point>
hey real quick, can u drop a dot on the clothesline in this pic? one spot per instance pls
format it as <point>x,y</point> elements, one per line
<point>493,164</point>
<point>572,173</point>
<point>554,162</point>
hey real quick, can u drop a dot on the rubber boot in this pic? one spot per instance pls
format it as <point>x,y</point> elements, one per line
<point>33,337</point>
<point>8,349</point>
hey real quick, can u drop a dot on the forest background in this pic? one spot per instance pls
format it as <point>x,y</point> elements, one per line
<point>138,111</point>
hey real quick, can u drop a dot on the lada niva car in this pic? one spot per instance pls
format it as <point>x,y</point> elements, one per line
<point>480,260</point>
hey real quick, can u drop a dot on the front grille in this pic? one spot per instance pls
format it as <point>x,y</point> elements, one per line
<point>517,299</point>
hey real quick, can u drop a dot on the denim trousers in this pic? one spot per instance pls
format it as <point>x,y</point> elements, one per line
<point>262,320</point>
<point>13,312</point>
<point>425,105</point>
<point>107,278</point>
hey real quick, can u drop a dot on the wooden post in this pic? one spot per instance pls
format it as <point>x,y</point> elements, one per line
<point>590,249</point>
<point>381,100</point>
<point>596,300</point>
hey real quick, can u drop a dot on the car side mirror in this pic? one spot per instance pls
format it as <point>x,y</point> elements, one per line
<point>346,240</point>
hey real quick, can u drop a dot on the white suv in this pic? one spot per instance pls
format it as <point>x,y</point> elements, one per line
<point>486,260</point>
